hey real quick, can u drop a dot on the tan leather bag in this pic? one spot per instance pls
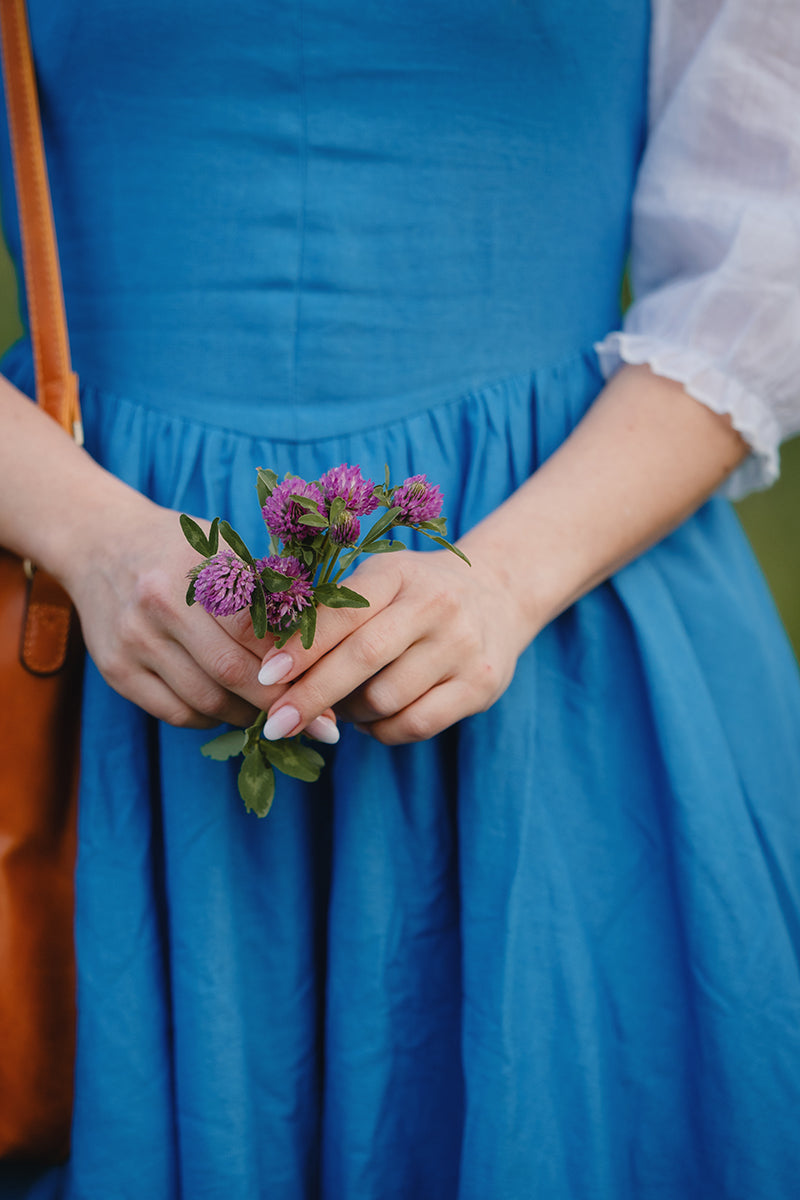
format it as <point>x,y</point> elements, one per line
<point>40,664</point>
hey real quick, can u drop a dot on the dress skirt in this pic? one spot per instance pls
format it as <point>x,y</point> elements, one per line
<point>552,952</point>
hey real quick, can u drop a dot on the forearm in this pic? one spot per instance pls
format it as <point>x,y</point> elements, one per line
<point>642,460</point>
<point>51,491</point>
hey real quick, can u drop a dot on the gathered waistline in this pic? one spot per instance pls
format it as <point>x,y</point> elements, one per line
<point>312,422</point>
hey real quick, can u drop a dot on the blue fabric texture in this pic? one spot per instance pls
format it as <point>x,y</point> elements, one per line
<point>554,951</point>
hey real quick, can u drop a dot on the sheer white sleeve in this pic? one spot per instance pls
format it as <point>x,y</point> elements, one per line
<point>715,256</point>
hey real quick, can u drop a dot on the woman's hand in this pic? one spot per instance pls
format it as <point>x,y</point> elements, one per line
<point>124,561</point>
<point>128,578</point>
<point>439,642</point>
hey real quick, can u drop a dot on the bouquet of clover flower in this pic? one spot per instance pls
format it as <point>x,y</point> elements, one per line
<point>315,537</point>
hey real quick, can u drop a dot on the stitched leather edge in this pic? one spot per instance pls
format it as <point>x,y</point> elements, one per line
<point>45,633</point>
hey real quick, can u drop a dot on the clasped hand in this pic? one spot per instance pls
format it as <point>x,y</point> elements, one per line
<point>438,642</point>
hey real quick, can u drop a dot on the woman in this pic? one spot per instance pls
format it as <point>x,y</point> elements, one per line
<point>550,951</point>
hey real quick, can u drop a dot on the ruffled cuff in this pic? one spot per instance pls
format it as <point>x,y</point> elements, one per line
<point>750,416</point>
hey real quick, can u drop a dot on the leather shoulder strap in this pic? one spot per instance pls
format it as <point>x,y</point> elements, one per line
<point>48,610</point>
<point>56,384</point>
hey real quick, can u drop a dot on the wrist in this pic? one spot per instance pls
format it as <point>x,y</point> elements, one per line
<point>55,501</point>
<point>494,551</point>
<point>96,514</point>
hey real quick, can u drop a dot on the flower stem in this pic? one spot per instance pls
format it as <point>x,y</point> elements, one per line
<point>323,552</point>
<point>326,574</point>
<point>339,574</point>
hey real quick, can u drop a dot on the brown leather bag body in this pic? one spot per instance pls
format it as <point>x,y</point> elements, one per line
<point>40,667</point>
<point>38,795</point>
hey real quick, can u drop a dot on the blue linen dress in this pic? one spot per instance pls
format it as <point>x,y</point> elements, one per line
<point>554,951</point>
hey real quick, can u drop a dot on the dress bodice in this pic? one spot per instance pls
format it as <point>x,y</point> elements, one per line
<point>315,202</point>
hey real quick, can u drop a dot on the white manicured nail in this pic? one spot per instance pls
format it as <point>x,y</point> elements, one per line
<point>275,669</point>
<point>281,723</point>
<point>323,729</point>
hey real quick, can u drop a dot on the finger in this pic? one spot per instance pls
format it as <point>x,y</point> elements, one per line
<point>324,728</point>
<point>425,664</point>
<point>344,668</point>
<point>195,687</point>
<point>438,709</point>
<point>158,618</point>
<point>149,692</point>
<point>333,625</point>
<point>224,660</point>
<point>211,704</point>
<point>239,626</point>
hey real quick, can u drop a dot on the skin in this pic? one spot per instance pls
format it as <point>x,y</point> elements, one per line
<point>438,642</point>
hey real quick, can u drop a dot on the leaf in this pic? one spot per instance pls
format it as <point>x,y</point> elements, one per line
<point>236,543</point>
<point>257,785</point>
<point>455,550</point>
<point>293,758</point>
<point>307,503</point>
<point>387,477</point>
<point>275,581</point>
<point>195,536</point>
<point>337,508</point>
<point>308,626</point>
<point>258,612</point>
<point>268,478</point>
<point>333,595</point>
<point>252,735</point>
<point>382,547</point>
<point>447,545</point>
<point>437,524</point>
<point>266,482</point>
<point>347,560</point>
<point>314,520</point>
<point>381,525</point>
<point>283,635</point>
<point>227,745</point>
<point>310,755</point>
<point>350,599</point>
<point>213,536</point>
<point>190,597</point>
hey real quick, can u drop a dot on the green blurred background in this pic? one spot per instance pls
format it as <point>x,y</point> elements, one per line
<point>771,519</point>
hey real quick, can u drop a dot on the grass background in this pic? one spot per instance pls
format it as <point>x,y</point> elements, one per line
<point>771,519</point>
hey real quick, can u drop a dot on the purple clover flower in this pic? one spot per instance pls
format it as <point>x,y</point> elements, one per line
<point>224,584</point>
<point>349,484</point>
<point>345,531</point>
<point>417,500</point>
<point>282,515</point>
<point>283,608</point>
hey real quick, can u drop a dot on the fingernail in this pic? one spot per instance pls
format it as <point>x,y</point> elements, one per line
<point>274,669</point>
<point>281,723</point>
<point>323,729</point>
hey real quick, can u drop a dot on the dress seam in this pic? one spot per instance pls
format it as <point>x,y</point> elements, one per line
<point>301,216</point>
<point>17,373</point>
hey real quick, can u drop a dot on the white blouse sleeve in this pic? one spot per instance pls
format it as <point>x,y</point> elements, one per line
<point>715,255</point>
